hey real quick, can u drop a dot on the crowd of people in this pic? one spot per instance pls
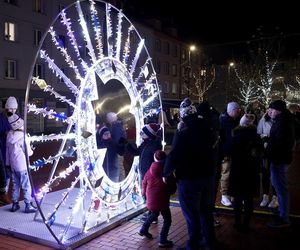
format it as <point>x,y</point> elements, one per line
<point>237,151</point>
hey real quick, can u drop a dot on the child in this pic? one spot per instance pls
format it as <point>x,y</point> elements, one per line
<point>16,158</point>
<point>158,199</point>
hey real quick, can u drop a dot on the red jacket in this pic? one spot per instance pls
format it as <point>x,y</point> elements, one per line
<point>157,192</point>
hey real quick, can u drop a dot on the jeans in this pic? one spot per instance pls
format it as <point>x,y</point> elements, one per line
<point>196,198</point>
<point>152,216</point>
<point>279,182</point>
<point>21,180</point>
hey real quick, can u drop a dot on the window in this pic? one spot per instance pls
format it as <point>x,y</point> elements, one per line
<point>39,71</point>
<point>10,31</point>
<point>38,6</point>
<point>167,87</point>
<point>174,69</point>
<point>167,68</point>
<point>167,48</point>
<point>11,69</point>
<point>37,35</point>
<point>174,50</point>
<point>14,2</point>
<point>174,88</point>
<point>183,54</point>
<point>157,66</point>
<point>157,45</point>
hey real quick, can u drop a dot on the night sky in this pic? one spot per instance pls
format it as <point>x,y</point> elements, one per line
<point>225,27</point>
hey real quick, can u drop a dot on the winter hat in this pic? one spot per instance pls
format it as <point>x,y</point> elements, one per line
<point>102,131</point>
<point>11,103</point>
<point>159,155</point>
<point>279,105</point>
<point>151,130</point>
<point>111,117</point>
<point>247,119</point>
<point>15,122</point>
<point>187,108</point>
<point>232,106</point>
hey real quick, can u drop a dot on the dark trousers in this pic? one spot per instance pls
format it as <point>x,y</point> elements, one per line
<point>238,207</point>
<point>196,198</point>
<point>152,216</point>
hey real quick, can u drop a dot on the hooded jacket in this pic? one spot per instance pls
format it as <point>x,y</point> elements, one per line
<point>15,151</point>
<point>157,192</point>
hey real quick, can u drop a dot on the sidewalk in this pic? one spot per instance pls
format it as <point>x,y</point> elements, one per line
<point>125,236</point>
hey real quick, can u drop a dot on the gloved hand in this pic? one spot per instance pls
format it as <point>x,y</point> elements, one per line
<point>123,141</point>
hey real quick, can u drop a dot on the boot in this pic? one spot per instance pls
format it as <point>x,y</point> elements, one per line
<point>15,207</point>
<point>29,208</point>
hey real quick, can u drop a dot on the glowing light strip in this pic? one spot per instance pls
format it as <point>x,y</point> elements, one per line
<point>64,52</point>
<point>48,88</point>
<point>136,57</point>
<point>109,30</point>
<point>58,72</point>
<point>51,137</point>
<point>126,49</point>
<point>119,35</point>
<point>86,33</point>
<point>66,21</point>
<point>97,28</point>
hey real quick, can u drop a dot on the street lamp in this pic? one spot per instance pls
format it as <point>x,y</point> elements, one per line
<point>188,69</point>
<point>230,65</point>
<point>191,48</point>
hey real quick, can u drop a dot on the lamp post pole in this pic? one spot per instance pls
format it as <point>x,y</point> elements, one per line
<point>189,68</point>
<point>230,65</point>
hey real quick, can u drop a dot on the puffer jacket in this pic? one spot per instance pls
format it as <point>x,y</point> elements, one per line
<point>157,192</point>
<point>15,151</point>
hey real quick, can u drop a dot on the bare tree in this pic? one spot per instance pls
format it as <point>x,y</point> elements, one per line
<point>203,79</point>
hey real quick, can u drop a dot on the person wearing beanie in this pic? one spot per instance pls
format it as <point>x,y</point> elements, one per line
<point>11,104</point>
<point>191,160</point>
<point>150,130</point>
<point>117,131</point>
<point>158,199</point>
<point>104,140</point>
<point>245,152</point>
<point>228,121</point>
<point>187,109</point>
<point>280,154</point>
<point>16,158</point>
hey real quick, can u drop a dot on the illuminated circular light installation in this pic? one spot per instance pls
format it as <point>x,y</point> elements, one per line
<point>88,44</point>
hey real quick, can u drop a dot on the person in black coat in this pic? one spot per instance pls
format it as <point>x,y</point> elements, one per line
<point>280,153</point>
<point>245,150</point>
<point>191,159</point>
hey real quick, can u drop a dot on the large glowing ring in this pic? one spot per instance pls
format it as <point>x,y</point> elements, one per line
<point>91,40</point>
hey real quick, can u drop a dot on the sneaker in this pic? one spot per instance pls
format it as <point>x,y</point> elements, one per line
<point>166,244</point>
<point>278,223</point>
<point>274,202</point>
<point>29,208</point>
<point>264,201</point>
<point>15,207</point>
<point>146,234</point>
<point>226,201</point>
<point>155,221</point>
